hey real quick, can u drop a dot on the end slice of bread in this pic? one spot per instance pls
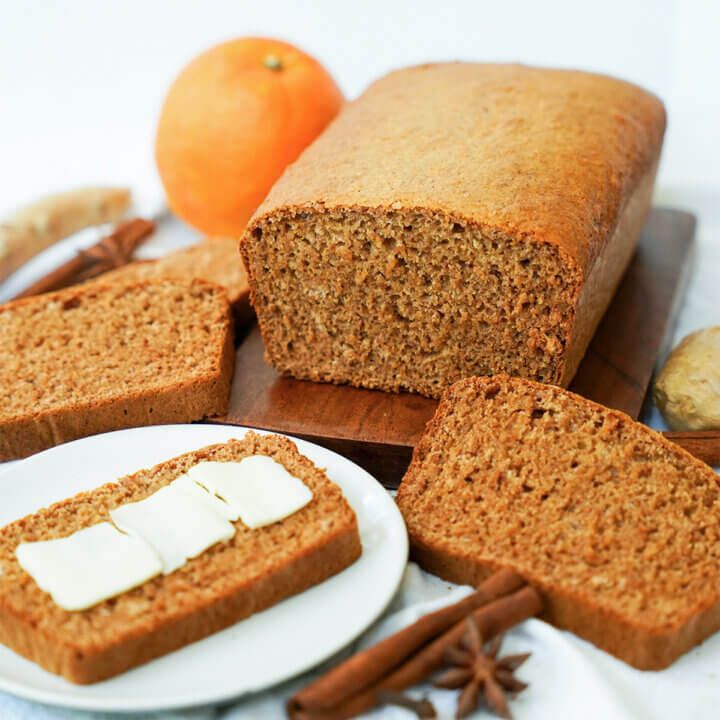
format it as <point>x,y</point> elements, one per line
<point>618,528</point>
<point>216,260</point>
<point>226,583</point>
<point>101,357</point>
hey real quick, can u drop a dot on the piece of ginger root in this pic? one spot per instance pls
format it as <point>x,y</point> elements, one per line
<point>34,228</point>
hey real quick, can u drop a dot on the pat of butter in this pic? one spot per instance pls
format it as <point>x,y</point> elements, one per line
<point>173,524</point>
<point>258,488</point>
<point>89,566</point>
<point>201,495</point>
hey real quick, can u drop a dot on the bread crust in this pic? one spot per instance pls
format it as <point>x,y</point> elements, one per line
<point>579,157</point>
<point>605,275</point>
<point>95,649</point>
<point>640,644</point>
<point>181,400</point>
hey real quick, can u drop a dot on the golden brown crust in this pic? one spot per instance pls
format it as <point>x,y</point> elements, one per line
<point>606,274</point>
<point>303,573</point>
<point>71,378</point>
<point>228,582</point>
<point>560,162</point>
<point>648,634</point>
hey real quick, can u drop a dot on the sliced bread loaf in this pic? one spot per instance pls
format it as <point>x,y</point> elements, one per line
<point>216,260</point>
<point>100,357</point>
<point>227,582</point>
<point>456,220</point>
<point>617,527</point>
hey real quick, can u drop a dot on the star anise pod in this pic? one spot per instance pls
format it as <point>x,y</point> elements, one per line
<point>478,670</point>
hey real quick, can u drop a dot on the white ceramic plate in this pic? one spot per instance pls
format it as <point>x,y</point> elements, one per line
<point>256,653</point>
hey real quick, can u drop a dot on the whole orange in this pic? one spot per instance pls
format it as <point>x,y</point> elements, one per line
<point>232,121</point>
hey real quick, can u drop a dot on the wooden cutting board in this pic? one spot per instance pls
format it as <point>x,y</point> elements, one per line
<point>378,430</point>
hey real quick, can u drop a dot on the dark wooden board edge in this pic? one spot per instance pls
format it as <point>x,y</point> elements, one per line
<point>672,320</point>
<point>679,218</point>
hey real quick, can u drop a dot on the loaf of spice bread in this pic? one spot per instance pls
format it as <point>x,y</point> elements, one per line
<point>617,528</point>
<point>101,357</point>
<point>254,569</point>
<point>455,220</point>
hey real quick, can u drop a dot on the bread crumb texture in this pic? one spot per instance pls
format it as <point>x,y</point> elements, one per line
<point>618,528</point>
<point>106,356</point>
<point>445,224</point>
<point>229,581</point>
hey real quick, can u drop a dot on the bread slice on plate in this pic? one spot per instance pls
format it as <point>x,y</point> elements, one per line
<point>229,581</point>
<point>216,260</point>
<point>616,526</point>
<point>101,357</point>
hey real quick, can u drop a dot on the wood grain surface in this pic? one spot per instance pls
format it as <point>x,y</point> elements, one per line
<point>378,430</point>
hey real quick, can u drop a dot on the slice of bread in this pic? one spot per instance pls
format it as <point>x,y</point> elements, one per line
<point>216,260</point>
<point>618,528</point>
<point>99,357</point>
<point>228,582</point>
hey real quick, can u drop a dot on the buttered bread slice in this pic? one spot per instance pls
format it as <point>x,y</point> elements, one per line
<point>618,528</point>
<point>237,552</point>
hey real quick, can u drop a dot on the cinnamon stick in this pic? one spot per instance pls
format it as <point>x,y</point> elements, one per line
<point>111,251</point>
<point>703,444</point>
<point>493,618</point>
<point>366,667</point>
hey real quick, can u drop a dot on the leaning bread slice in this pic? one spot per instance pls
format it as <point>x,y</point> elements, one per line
<point>216,260</point>
<point>231,580</point>
<point>616,526</point>
<point>101,357</point>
